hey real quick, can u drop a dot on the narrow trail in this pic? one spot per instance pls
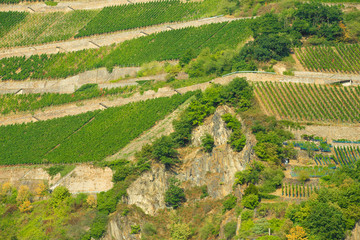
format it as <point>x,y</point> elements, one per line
<point>97,41</point>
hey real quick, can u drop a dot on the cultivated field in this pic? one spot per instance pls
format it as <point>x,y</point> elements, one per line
<point>343,58</point>
<point>307,102</point>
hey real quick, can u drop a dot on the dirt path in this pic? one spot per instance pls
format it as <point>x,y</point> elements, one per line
<point>97,41</point>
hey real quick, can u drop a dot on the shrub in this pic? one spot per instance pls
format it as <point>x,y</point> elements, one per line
<point>207,142</point>
<point>230,229</point>
<point>164,152</point>
<point>59,195</point>
<point>204,192</point>
<point>247,214</point>
<point>229,202</point>
<point>135,229</point>
<point>98,227</point>
<point>250,201</point>
<point>175,195</point>
<point>180,231</point>
<point>149,229</point>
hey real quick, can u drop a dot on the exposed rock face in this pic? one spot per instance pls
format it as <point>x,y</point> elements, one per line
<point>147,192</point>
<point>84,178</point>
<point>119,228</point>
<point>215,126</point>
<point>355,233</point>
<point>216,169</point>
<point>87,178</point>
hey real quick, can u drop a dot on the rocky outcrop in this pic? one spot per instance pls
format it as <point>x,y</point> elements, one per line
<point>216,169</point>
<point>119,227</point>
<point>147,192</point>
<point>355,233</point>
<point>84,178</point>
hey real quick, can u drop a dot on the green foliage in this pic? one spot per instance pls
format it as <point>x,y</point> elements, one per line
<point>230,229</point>
<point>86,137</point>
<point>175,195</point>
<point>62,169</point>
<point>30,102</point>
<point>59,195</point>
<point>98,227</point>
<point>9,20</point>
<point>135,229</point>
<point>261,226</point>
<point>342,58</point>
<point>250,175</point>
<point>204,192</point>
<point>247,214</point>
<point>229,202</point>
<point>251,189</point>
<point>207,142</point>
<point>325,221</point>
<point>209,229</point>
<point>250,201</point>
<point>306,102</point>
<point>180,231</point>
<point>237,138</point>
<point>164,152</point>
<point>206,103</point>
<point>160,46</point>
<point>148,229</point>
<point>147,14</point>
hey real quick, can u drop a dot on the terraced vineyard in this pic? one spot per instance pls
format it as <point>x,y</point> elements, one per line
<point>161,46</point>
<point>86,137</point>
<point>344,156</point>
<point>13,103</point>
<point>297,190</point>
<point>116,18</point>
<point>9,20</point>
<point>310,102</point>
<point>343,58</point>
<point>38,28</point>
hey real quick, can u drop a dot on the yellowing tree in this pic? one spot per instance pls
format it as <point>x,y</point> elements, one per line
<point>23,194</point>
<point>91,201</point>
<point>40,189</point>
<point>5,188</point>
<point>297,233</point>
<point>25,207</point>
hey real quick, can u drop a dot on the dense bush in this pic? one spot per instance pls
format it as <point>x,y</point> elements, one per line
<point>250,201</point>
<point>207,142</point>
<point>175,195</point>
<point>229,203</point>
<point>230,229</point>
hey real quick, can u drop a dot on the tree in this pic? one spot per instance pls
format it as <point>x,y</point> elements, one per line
<point>40,190</point>
<point>297,233</point>
<point>25,207</point>
<point>250,201</point>
<point>23,194</point>
<point>230,229</point>
<point>91,201</point>
<point>175,195</point>
<point>207,142</point>
<point>325,221</point>
<point>229,202</point>
<point>59,195</point>
<point>164,152</point>
<point>180,231</point>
